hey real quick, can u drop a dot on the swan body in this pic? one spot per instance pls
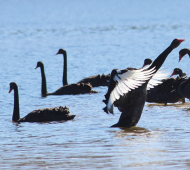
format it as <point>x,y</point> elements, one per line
<point>184,89</point>
<point>97,80</point>
<point>130,99</point>
<point>40,115</point>
<point>78,88</point>
<point>167,92</point>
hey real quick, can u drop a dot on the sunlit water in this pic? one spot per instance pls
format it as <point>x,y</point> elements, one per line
<point>98,36</point>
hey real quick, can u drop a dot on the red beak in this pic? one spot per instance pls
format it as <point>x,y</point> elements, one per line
<point>181,40</point>
<point>173,74</point>
<point>143,65</point>
<point>10,90</point>
<point>57,53</point>
<point>180,57</point>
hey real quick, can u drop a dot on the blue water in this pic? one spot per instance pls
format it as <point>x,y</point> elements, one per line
<point>98,37</point>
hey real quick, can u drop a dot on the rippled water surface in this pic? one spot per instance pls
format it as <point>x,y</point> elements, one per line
<point>98,36</point>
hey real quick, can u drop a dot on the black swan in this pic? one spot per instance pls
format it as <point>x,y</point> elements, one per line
<point>168,91</point>
<point>95,81</point>
<point>183,52</point>
<point>184,87</point>
<point>40,115</point>
<point>127,89</point>
<point>79,88</point>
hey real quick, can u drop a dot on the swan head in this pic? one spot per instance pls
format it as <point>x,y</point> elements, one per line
<point>176,42</point>
<point>13,85</point>
<point>183,52</point>
<point>147,61</point>
<point>176,72</point>
<point>39,64</point>
<point>61,51</point>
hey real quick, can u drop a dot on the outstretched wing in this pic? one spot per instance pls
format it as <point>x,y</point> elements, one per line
<point>125,81</point>
<point>157,78</point>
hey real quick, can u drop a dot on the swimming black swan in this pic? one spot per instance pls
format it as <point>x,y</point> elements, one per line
<point>95,81</point>
<point>40,115</point>
<point>79,88</point>
<point>168,91</point>
<point>127,89</point>
<point>183,52</point>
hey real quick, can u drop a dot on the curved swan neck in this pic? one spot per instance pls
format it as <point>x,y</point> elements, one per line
<point>65,69</point>
<point>188,52</point>
<point>43,87</point>
<point>181,74</point>
<point>16,113</point>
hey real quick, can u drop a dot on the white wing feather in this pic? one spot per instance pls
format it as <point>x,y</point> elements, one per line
<point>157,78</point>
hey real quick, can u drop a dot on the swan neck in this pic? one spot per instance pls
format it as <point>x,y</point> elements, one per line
<point>160,59</point>
<point>181,74</point>
<point>65,69</point>
<point>16,113</point>
<point>43,87</point>
<point>188,52</point>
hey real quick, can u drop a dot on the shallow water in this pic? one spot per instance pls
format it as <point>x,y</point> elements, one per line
<point>98,36</point>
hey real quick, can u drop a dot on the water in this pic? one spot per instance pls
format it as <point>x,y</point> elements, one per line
<point>98,36</point>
